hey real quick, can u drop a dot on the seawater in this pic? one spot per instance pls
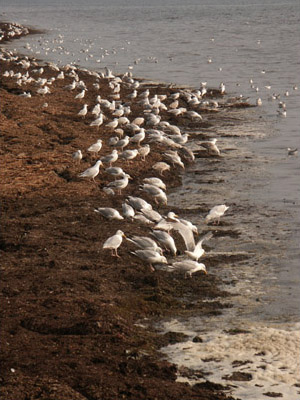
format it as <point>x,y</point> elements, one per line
<point>253,47</point>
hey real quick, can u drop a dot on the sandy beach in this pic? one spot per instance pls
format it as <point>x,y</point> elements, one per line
<point>77,322</point>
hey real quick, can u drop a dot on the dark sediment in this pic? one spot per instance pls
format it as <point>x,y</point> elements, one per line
<point>72,314</point>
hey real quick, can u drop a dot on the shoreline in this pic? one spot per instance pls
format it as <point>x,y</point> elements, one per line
<point>73,313</point>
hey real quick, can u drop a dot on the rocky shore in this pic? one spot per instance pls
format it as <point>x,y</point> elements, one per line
<point>77,322</point>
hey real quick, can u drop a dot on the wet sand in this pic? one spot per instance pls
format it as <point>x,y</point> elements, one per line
<point>76,322</point>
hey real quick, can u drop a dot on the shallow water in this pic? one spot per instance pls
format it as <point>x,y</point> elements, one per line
<point>173,42</point>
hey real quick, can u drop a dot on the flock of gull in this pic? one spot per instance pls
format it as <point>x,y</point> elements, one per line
<point>151,126</point>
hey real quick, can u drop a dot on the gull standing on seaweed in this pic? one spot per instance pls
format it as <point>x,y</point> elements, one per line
<point>198,250</point>
<point>91,172</point>
<point>128,210</point>
<point>98,121</point>
<point>161,167</point>
<point>109,213</point>
<point>144,242</point>
<point>114,242</point>
<point>110,158</point>
<point>150,256</point>
<point>189,267</point>
<point>120,184</point>
<point>77,156</point>
<point>144,151</point>
<point>96,147</point>
<point>165,239</point>
<point>83,111</point>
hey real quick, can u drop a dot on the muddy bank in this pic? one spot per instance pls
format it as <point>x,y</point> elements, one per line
<point>76,322</point>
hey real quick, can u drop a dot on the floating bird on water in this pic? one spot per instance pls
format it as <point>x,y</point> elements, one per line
<point>292,152</point>
<point>91,172</point>
<point>109,213</point>
<point>114,242</point>
<point>216,213</point>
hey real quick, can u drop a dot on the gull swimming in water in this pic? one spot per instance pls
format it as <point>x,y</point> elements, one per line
<point>292,152</point>
<point>189,267</point>
<point>198,250</point>
<point>91,172</point>
<point>114,242</point>
<point>216,213</point>
<point>109,213</point>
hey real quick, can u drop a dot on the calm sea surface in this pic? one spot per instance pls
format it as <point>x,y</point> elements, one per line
<point>254,48</point>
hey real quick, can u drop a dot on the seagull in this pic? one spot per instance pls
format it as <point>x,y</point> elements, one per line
<point>138,137</point>
<point>120,183</point>
<point>211,147</point>
<point>77,156</point>
<point>151,214</point>
<point>216,213</point>
<point>96,147</point>
<point>83,111</point>
<point>150,256</point>
<point>144,151</point>
<point>156,182</point>
<point>113,124</point>
<point>122,142</point>
<point>91,172</point>
<point>115,171</point>
<point>98,121</point>
<point>165,239</point>
<point>128,210</point>
<point>174,158</point>
<point>161,167</point>
<point>189,267</point>
<point>138,204</point>
<point>114,242</point>
<point>109,213</point>
<point>80,95</point>
<point>144,242</point>
<point>198,250</point>
<point>292,152</point>
<point>129,154</point>
<point>110,158</point>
